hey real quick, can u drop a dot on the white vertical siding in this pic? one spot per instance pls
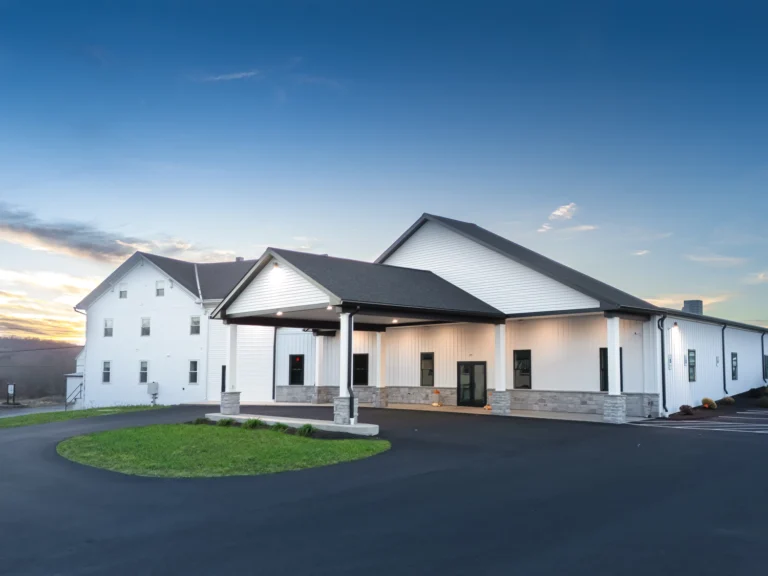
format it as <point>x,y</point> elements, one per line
<point>254,363</point>
<point>218,340</point>
<point>295,341</point>
<point>565,352</point>
<point>495,279</point>
<point>277,287</point>
<point>749,348</point>
<point>362,343</point>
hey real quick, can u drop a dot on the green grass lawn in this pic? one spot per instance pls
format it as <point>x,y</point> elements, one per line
<point>46,417</point>
<point>189,451</point>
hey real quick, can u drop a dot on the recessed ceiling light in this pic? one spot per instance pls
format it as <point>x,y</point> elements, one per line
<point>280,313</point>
<point>329,307</point>
<point>394,321</point>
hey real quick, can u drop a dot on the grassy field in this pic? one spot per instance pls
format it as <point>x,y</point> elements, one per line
<point>189,451</point>
<point>46,417</point>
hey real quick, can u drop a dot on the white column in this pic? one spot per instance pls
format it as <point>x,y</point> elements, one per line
<point>318,358</point>
<point>380,351</point>
<point>345,354</point>
<point>500,357</point>
<point>614,357</point>
<point>232,364</point>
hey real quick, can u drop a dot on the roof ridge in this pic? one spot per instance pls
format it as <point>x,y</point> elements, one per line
<point>349,259</point>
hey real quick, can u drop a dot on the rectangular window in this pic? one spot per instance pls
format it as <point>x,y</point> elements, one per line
<point>360,369</point>
<point>143,371</point>
<point>691,365</point>
<point>145,326</point>
<point>194,325</point>
<point>604,369</point>
<point>159,288</point>
<point>427,369</point>
<point>734,366</point>
<point>107,327</point>
<point>193,371</point>
<point>296,370</point>
<point>522,369</point>
<point>106,372</point>
<point>123,293</point>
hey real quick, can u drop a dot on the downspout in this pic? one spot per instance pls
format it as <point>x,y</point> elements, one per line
<point>349,368</point>
<point>724,386</point>
<point>274,363</point>
<point>765,367</point>
<point>660,325</point>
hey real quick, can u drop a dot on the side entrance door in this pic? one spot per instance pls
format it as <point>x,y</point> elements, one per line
<point>471,389</point>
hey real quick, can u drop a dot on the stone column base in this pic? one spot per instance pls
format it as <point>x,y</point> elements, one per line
<point>379,398</point>
<point>501,402</point>
<point>341,410</point>
<point>230,403</point>
<point>615,409</point>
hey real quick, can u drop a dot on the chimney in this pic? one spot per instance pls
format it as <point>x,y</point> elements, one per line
<point>239,259</point>
<point>693,307</point>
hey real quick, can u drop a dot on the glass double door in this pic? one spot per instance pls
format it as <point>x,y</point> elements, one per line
<point>471,384</point>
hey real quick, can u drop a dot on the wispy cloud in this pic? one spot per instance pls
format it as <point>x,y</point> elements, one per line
<point>231,76</point>
<point>565,212</point>
<point>545,228</point>
<point>84,240</point>
<point>676,300</point>
<point>757,278</point>
<point>581,228</point>
<point>641,252</point>
<point>24,316</point>
<point>717,260</point>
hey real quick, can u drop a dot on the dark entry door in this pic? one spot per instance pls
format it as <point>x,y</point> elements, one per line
<point>471,390</point>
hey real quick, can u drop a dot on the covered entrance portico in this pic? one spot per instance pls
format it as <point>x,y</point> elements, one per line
<point>335,298</point>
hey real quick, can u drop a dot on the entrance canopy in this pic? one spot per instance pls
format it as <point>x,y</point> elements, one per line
<point>296,289</point>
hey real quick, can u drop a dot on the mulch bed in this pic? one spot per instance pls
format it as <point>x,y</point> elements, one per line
<point>743,402</point>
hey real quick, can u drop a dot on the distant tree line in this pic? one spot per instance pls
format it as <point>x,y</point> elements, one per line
<point>36,366</point>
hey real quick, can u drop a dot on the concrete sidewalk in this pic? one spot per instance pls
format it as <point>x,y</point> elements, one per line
<point>9,412</point>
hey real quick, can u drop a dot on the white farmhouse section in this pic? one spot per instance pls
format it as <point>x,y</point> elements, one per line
<point>501,282</point>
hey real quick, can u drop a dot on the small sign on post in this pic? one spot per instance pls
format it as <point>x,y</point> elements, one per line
<point>11,394</point>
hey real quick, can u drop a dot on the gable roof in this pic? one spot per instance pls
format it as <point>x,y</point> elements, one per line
<point>354,282</point>
<point>609,297</point>
<point>216,278</point>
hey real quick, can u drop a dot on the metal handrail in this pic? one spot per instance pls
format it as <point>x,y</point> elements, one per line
<point>72,398</point>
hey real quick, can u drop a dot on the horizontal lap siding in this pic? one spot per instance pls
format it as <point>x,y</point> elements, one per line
<point>501,282</point>
<point>277,287</point>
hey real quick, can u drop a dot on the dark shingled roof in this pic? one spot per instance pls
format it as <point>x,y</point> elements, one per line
<point>608,296</point>
<point>217,279</point>
<point>359,282</point>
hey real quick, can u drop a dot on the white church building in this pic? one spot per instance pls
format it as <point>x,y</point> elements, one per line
<point>450,310</point>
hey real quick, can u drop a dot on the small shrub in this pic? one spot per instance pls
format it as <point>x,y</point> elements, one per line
<point>756,392</point>
<point>279,427</point>
<point>225,422</point>
<point>200,421</point>
<point>686,410</point>
<point>253,423</point>
<point>709,403</point>
<point>763,403</point>
<point>306,430</point>
<point>727,401</point>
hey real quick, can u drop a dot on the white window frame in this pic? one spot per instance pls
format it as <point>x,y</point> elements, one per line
<point>109,324</point>
<point>160,288</point>
<point>143,371</point>
<point>122,292</point>
<point>148,327</point>
<point>106,369</point>
<point>196,372</point>
<point>192,325</point>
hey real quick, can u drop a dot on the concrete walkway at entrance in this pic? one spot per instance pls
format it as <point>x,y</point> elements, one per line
<point>325,425</point>
<point>542,414</point>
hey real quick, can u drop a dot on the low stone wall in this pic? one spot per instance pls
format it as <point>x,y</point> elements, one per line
<point>305,394</point>
<point>638,404</point>
<point>420,395</point>
<point>323,394</point>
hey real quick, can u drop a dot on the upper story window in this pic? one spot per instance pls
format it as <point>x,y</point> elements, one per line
<point>123,291</point>
<point>193,371</point>
<point>194,325</point>
<point>106,372</point>
<point>145,326</point>
<point>734,366</point>
<point>160,288</point>
<point>107,327</point>
<point>143,371</point>
<point>691,365</point>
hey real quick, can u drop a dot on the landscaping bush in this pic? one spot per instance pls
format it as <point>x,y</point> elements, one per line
<point>279,427</point>
<point>757,392</point>
<point>763,403</point>
<point>727,401</point>
<point>709,403</point>
<point>200,421</point>
<point>225,422</point>
<point>253,423</point>
<point>686,410</point>
<point>306,430</point>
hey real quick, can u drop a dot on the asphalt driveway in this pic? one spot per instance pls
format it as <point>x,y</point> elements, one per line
<point>457,494</point>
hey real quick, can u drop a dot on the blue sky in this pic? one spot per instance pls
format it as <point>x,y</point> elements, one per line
<point>208,129</point>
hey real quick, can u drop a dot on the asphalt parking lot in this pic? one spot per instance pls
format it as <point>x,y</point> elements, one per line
<point>457,494</point>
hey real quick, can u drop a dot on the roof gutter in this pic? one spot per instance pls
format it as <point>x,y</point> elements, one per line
<point>660,325</point>
<point>724,386</point>
<point>765,364</point>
